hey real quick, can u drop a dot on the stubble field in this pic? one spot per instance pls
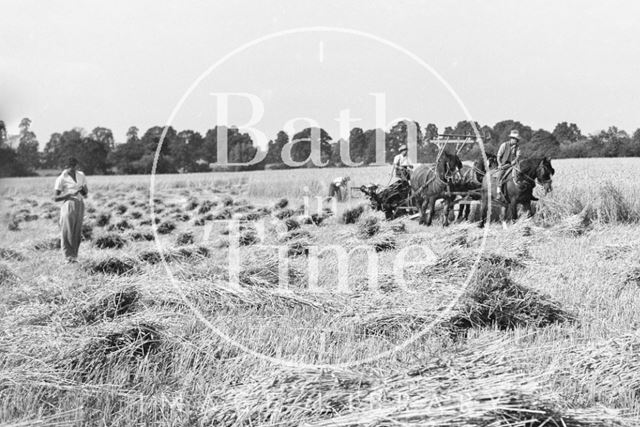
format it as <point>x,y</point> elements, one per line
<point>536,323</point>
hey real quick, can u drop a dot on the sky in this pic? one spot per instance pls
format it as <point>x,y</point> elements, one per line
<point>123,63</point>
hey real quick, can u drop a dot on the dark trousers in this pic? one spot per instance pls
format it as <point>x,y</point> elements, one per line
<point>335,190</point>
<point>501,172</point>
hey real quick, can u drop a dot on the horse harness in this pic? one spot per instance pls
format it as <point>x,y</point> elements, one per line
<point>516,168</point>
<point>446,180</point>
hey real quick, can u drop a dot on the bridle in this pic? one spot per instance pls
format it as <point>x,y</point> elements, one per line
<point>450,174</point>
<point>516,167</point>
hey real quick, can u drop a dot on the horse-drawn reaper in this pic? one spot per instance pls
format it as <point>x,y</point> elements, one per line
<point>452,182</point>
<point>394,200</point>
<point>418,190</point>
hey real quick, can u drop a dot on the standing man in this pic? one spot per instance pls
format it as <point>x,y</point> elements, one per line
<point>401,163</point>
<point>508,155</point>
<point>70,188</point>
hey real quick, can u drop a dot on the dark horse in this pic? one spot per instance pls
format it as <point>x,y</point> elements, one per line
<point>432,182</point>
<point>471,180</point>
<point>518,186</point>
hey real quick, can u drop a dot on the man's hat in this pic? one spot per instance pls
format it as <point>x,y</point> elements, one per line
<point>515,134</point>
<point>402,148</point>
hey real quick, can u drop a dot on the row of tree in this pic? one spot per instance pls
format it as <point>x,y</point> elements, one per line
<point>190,151</point>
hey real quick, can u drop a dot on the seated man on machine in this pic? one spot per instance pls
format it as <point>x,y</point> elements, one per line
<point>401,165</point>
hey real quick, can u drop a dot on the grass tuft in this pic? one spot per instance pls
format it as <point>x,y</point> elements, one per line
<point>368,226</point>
<point>121,208</point>
<point>111,265</point>
<point>383,242</point>
<point>204,208</point>
<point>110,241</point>
<point>495,300</point>
<point>284,213</point>
<point>7,276</point>
<point>111,306</point>
<point>281,204</point>
<point>11,254</point>
<point>351,216</point>
<point>87,232</point>
<point>185,238</point>
<point>291,224</point>
<point>114,349</point>
<point>48,244</point>
<point>248,237</point>
<point>226,200</point>
<point>141,236</point>
<point>103,219</point>
<point>166,227</point>
<point>191,204</point>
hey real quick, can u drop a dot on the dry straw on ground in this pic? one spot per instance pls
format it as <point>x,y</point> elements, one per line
<point>118,265</point>
<point>7,276</point>
<point>495,300</point>
<point>474,387</point>
<point>50,243</point>
<point>111,305</point>
<point>114,347</point>
<point>110,241</point>
<point>351,216</point>
<point>610,367</point>
<point>141,235</point>
<point>88,346</point>
<point>368,226</point>
<point>11,254</point>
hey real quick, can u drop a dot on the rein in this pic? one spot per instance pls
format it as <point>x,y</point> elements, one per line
<point>478,170</point>
<point>434,178</point>
<point>517,169</point>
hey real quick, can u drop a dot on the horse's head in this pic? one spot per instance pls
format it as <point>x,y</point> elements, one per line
<point>492,160</point>
<point>544,174</point>
<point>449,166</point>
<point>479,165</point>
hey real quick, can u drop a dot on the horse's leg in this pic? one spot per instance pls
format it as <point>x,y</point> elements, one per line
<point>527,208</point>
<point>432,208</point>
<point>462,213</point>
<point>451,208</point>
<point>421,204</point>
<point>484,208</point>
<point>513,210</point>
<point>447,208</point>
<point>467,212</point>
<point>447,211</point>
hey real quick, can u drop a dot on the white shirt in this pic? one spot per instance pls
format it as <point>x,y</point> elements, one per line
<point>65,184</point>
<point>339,181</point>
<point>400,160</point>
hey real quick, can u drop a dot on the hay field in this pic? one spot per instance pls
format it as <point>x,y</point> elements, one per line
<point>534,325</point>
